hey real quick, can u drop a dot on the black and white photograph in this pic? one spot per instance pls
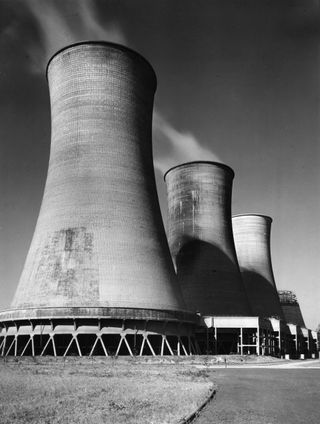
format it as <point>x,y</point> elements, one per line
<point>159,211</point>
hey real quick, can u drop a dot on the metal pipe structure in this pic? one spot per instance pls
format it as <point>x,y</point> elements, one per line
<point>291,308</point>
<point>99,263</point>
<point>252,240</point>
<point>201,240</point>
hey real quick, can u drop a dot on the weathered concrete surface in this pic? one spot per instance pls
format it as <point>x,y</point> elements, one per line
<point>263,396</point>
<point>293,314</point>
<point>201,240</point>
<point>252,240</point>
<point>99,239</point>
<point>291,308</point>
<point>47,313</point>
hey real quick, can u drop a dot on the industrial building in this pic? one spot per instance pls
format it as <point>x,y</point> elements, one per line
<point>101,277</point>
<point>224,265</point>
<point>252,234</point>
<point>291,308</point>
<point>201,243</point>
<point>303,342</point>
<point>201,240</point>
<point>252,241</point>
<point>98,278</point>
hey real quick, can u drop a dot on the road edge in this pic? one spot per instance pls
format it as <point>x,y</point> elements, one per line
<point>189,418</point>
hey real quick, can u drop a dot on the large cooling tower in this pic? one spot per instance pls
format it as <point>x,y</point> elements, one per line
<point>291,308</point>
<point>252,240</point>
<point>99,249</point>
<point>201,240</point>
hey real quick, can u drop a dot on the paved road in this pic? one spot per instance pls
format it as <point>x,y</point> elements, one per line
<point>296,364</point>
<point>264,396</point>
<point>311,364</point>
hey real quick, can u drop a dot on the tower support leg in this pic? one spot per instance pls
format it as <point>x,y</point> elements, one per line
<point>241,341</point>
<point>258,341</point>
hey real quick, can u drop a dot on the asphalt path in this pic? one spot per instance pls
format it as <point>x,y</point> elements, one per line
<point>311,364</point>
<point>264,396</point>
<point>292,364</point>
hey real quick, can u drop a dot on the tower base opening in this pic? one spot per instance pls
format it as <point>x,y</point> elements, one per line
<point>79,336</point>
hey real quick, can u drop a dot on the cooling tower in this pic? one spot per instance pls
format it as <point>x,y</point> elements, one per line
<point>99,250</point>
<point>291,308</point>
<point>252,241</point>
<point>201,240</point>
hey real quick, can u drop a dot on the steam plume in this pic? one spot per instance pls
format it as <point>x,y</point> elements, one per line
<point>63,23</point>
<point>66,23</point>
<point>178,146</point>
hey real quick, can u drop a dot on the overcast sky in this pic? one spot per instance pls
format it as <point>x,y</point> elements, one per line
<point>238,82</point>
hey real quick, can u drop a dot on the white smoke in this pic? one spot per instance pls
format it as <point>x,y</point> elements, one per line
<point>179,146</point>
<point>64,23</point>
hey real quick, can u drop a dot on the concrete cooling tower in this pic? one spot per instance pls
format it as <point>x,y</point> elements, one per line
<point>98,278</point>
<point>252,241</point>
<point>201,240</point>
<point>291,308</point>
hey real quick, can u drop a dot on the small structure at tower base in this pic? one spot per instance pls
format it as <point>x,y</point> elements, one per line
<point>249,335</point>
<point>253,335</point>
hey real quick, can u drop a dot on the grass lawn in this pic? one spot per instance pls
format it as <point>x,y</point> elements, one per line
<point>98,390</point>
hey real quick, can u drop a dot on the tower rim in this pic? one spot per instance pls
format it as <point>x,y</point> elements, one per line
<point>259,215</point>
<point>116,46</point>
<point>97,312</point>
<point>201,162</point>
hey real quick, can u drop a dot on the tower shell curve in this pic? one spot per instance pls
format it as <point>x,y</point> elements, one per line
<point>99,241</point>
<point>291,308</point>
<point>252,240</point>
<point>200,238</point>
<point>98,278</point>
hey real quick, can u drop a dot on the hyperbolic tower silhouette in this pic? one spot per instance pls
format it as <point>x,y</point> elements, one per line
<point>99,262</point>
<point>252,240</point>
<point>291,308</point>
<point>201,240</point>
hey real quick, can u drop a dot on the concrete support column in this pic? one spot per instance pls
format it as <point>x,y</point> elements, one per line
<point>3,345</point>
<point>215,340</point>
<point>273,343</point>
<point>241,341</point>
<point>279,342</point>
<point>258,342</point>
